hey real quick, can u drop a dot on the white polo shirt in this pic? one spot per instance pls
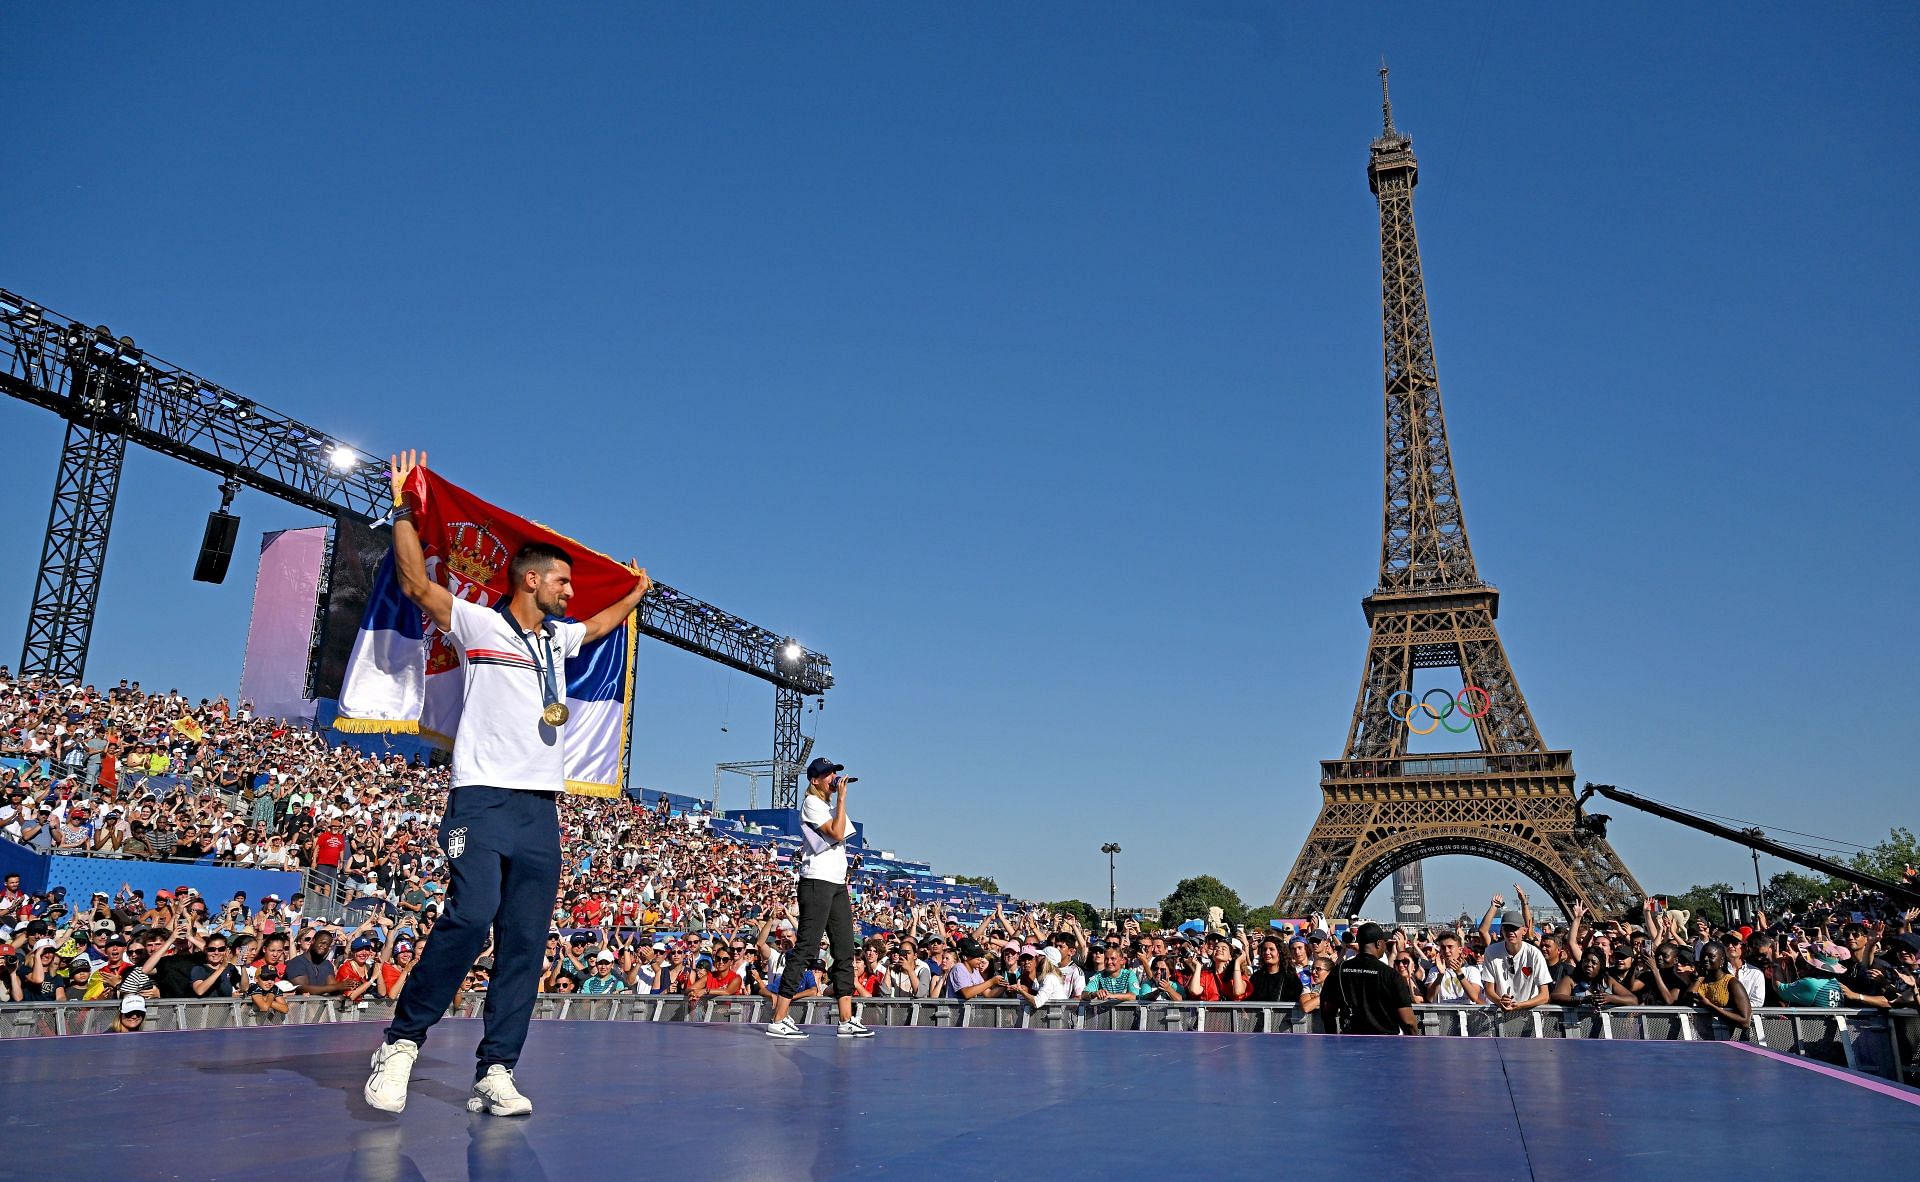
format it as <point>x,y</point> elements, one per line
<point>501,741</point>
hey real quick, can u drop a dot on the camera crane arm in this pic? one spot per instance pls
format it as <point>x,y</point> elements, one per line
<point>1754,839</point>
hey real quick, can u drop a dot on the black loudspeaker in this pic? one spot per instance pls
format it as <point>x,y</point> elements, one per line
<point>216,549</point>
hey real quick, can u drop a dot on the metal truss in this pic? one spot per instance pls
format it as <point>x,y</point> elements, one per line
<point>111,393</point>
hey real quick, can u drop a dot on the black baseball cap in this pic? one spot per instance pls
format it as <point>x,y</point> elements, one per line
<point>822,766</point>
<point>1370,933</point>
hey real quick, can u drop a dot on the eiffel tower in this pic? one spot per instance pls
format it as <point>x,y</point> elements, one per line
<point>1511,797</point>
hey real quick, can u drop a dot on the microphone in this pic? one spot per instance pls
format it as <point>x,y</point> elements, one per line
<point>849,779</point>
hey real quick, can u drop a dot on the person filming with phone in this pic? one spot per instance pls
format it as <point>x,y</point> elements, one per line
<point>824,903</point>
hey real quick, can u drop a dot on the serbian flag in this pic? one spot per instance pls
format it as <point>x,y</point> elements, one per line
<point>404,675</point>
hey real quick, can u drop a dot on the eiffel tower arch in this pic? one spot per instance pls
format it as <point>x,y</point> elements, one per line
<point>1509,797</point>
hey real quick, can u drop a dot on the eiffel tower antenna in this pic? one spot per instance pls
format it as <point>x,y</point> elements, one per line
<point>1386,100</point>
<point>1507,797</point>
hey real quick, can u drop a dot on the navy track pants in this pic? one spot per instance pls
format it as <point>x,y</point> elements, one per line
<point>503,870</point>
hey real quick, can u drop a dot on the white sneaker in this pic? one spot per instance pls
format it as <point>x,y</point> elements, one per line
<point>495,1092</point>
<point>853,1029</point>
<point>392,1066</point>
<point>784,1028</point>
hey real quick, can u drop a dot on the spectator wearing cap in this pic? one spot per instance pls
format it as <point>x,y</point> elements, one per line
<point>395,966</point>
<point>574,963</point>
<point>360,972</point>
<point>42,980</point>
<point>1047,985</point>
<point>133,1015</point>
<point>1364,995</point>
<point>75,829</point>
<point>968,978</point>
<point>604,980</point>
<point>1751,979</point>
<point>649,969</point>
<point>1515,973</point>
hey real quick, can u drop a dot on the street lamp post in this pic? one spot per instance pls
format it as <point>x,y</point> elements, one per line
<point>1110,849</point>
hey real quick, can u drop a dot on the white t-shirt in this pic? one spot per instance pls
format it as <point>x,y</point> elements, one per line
<point>1516,976</point>
<point>819,858</point>
<point>501,741</point>
<point>1453,990</point>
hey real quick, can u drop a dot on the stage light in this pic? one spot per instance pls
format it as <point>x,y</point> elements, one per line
<point>343,458</point>
<point>793,652</point>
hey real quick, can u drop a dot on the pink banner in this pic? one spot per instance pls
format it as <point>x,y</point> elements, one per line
<point>280,638</point>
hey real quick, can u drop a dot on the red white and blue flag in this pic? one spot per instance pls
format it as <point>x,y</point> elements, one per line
<point>404,675</point>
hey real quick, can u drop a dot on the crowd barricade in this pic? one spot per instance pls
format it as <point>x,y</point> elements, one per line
<point>1862,1040</point>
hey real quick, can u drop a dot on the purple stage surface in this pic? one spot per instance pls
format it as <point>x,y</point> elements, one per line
<point>640,1100</point>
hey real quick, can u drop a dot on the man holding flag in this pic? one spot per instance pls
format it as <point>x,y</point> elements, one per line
<point>501,831</point>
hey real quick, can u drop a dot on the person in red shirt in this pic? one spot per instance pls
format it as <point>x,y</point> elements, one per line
<point>328,850</point>
<point>393,973</point>
<point>1222,975</point>
<point>590,910</point>
<point>578,914</point>
<point>359,971</point>
<point>869,974</point>
<point>723,975</point>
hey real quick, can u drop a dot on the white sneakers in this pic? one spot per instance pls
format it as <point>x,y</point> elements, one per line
<point>392,1066</point>
<point>495,1092</point>
<point>786,1028</point>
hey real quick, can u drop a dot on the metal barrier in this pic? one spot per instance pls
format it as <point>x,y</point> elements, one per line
<point>1862,1040</point>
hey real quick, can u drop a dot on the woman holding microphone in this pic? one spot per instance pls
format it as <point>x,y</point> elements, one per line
<point>824,903</point>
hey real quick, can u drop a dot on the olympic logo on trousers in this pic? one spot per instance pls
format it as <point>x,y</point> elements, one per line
<point>1460,702</point>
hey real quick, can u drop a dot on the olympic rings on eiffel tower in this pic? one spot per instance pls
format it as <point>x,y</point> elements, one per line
<point>1452,703</point>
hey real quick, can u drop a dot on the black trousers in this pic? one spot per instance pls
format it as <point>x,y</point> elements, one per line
<point>824,906</point>
<point>503,871</point>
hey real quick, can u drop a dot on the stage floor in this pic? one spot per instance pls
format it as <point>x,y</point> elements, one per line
<point>634,1100</point>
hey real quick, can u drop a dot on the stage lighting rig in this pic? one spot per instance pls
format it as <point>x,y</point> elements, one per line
<point>109,391</point>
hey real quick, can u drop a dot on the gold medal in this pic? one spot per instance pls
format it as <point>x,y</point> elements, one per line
<point>555,714</point>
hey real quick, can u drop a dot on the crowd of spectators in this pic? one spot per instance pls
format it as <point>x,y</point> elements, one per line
<point>657,902</point>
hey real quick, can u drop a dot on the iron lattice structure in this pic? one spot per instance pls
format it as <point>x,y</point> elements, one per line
<point>111,393</point>
<point>1510,798</point>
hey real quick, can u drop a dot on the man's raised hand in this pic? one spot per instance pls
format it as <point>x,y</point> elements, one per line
<point>401,466</point>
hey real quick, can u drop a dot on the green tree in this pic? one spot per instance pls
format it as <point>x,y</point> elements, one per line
<point>1702,902</point>
<point>982,881</point>
<point>1259,920</point>
<point>1791,889</point>
<point>1890,858</point>
<point>1191,898</point>
<point>1084,912</point>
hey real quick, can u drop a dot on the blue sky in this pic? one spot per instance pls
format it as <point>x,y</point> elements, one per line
<point>1025,359</point>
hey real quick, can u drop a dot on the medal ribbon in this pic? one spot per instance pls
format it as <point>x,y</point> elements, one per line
<point>549,688</point>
